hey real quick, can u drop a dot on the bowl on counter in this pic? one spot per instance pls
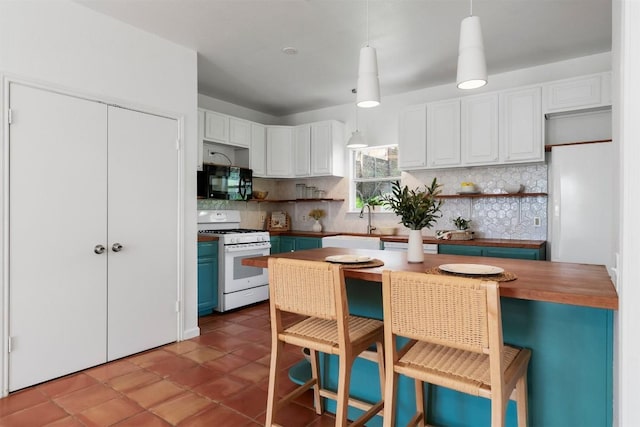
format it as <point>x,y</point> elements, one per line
<point>513,188</point>
<point>260,195</point>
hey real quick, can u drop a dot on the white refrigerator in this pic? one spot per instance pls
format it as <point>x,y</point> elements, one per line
<point>583,211</point>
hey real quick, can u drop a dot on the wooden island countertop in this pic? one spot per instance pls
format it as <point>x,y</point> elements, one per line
<point>565,283</point>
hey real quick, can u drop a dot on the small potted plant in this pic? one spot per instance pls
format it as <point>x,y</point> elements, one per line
<point>462,231</point>
<point>417,210</point>
<point>461,223</point>
<point>317,214</point>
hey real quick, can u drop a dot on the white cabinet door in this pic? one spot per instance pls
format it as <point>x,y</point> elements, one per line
<point>258,150</point>
<point>412,141</point>
<point>57,216</point>
<point>479,126</point>
<point>443,134</point>
<point>302,150</point>
<point>239,132</point>
<point>521,126</point>
<point>578,93</point>
<point>143,276</point>
<point>216,127</point>
<point>279,152</point>
<point>327,148</point>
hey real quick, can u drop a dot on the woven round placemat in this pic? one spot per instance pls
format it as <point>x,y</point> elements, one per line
<point>507,276</point>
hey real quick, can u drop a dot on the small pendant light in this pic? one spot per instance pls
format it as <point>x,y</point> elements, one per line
<point>472,67</point>
<point>368,84</point>
<point>356,140</point>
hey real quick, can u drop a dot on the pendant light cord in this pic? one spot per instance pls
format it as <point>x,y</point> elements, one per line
<point>470,7</point>
<point>367,22</point>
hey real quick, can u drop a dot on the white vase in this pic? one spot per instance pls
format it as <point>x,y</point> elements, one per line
<point>415,253</point>
<point>317,227</point>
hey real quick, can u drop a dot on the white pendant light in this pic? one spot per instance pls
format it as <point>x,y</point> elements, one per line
<point>472,67</point>
<point>368,84</point>
<point>356,140</point>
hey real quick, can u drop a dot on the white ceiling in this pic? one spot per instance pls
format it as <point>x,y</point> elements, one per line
<point>239,42</point>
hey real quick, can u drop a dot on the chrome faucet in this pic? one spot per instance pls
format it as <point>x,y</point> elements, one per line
<point>369,227</point>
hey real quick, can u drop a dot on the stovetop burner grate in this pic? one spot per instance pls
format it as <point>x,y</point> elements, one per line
<point>233,231</point>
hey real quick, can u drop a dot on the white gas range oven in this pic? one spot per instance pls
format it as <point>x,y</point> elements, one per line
<point>238,285</point>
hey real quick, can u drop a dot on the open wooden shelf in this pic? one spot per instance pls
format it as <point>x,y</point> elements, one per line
<point>486,195</point>
<point>293,200</point>
<point>548,148</point>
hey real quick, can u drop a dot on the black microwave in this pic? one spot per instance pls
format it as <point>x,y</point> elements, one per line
<point>224,182</point>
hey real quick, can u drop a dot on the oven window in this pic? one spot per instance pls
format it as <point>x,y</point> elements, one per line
<point>243,271</point>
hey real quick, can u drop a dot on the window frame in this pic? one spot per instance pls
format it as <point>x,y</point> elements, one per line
<point>353,180</point>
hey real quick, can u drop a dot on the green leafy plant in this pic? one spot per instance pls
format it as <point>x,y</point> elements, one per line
<point>417,209</point>
<point>461,223</point>
<point>317,214</point>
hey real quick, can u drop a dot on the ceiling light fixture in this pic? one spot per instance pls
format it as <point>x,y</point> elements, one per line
<point>368,84</point>
<point>356,140</point>
<point>472,67</point>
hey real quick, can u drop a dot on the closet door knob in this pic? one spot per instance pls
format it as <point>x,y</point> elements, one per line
<point>117,247</point>
<point>99,249</point>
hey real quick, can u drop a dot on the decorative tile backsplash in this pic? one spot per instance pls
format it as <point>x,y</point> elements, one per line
<point>492,217</point>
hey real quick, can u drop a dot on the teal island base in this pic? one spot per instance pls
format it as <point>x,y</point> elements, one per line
<point>570,373</point>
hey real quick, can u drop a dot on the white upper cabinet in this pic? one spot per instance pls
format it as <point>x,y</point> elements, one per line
<point>479,130</point>
<point>413,138</point>
<point>327,148</point>
<point>521,126</point>
<point>258,150</point>
<point>280,151</point>
<point>216,127</point>
<point>239,132</point>
<point>302,150</point>
<point>578,93</point>
<point>443,134</point>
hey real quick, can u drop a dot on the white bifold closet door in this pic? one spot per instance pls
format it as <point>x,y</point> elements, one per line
<point>143,218</point>
<point>83,175</point>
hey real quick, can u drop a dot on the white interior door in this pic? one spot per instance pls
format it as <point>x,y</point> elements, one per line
<point>143,209</point>
<point>57,216</point>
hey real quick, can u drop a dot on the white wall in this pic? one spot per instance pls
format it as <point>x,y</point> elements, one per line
<point>224,107</point>
<point>67,46</point>
<point>626,128</point>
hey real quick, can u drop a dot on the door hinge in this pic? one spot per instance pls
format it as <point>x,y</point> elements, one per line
<point>177,306</point>
<point>10,345</point>
<point>9,116</point>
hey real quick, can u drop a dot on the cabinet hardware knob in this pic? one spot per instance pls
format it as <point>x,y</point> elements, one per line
<point>117,247</point>
<point>99,249</point>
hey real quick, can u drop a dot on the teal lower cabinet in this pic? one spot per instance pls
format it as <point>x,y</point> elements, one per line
<point>292,243</point>
<point>303,243</point>
<point>207,277</point>
<point>494,251</point>
<point>287,244</point>
<point>275,244</point>
<point>569,378</point>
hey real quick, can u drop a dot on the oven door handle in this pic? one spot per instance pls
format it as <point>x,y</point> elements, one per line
<point>258,250</point>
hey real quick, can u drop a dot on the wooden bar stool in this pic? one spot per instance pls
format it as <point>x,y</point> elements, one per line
<point>317,290</point>
<point>455,327</point>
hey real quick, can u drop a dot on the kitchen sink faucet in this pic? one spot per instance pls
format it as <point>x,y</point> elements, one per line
<point>369,227</point>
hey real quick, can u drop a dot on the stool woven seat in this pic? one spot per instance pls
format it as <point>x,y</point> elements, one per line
<point>317,290</point>
<point>455,329</point>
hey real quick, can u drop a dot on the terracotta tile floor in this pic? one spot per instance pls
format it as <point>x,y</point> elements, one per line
<point>217,379</point>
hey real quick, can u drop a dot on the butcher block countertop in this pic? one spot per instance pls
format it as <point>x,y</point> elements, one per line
<point>505,243</point>
<point>207,237</point>
<point>564,283</point>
